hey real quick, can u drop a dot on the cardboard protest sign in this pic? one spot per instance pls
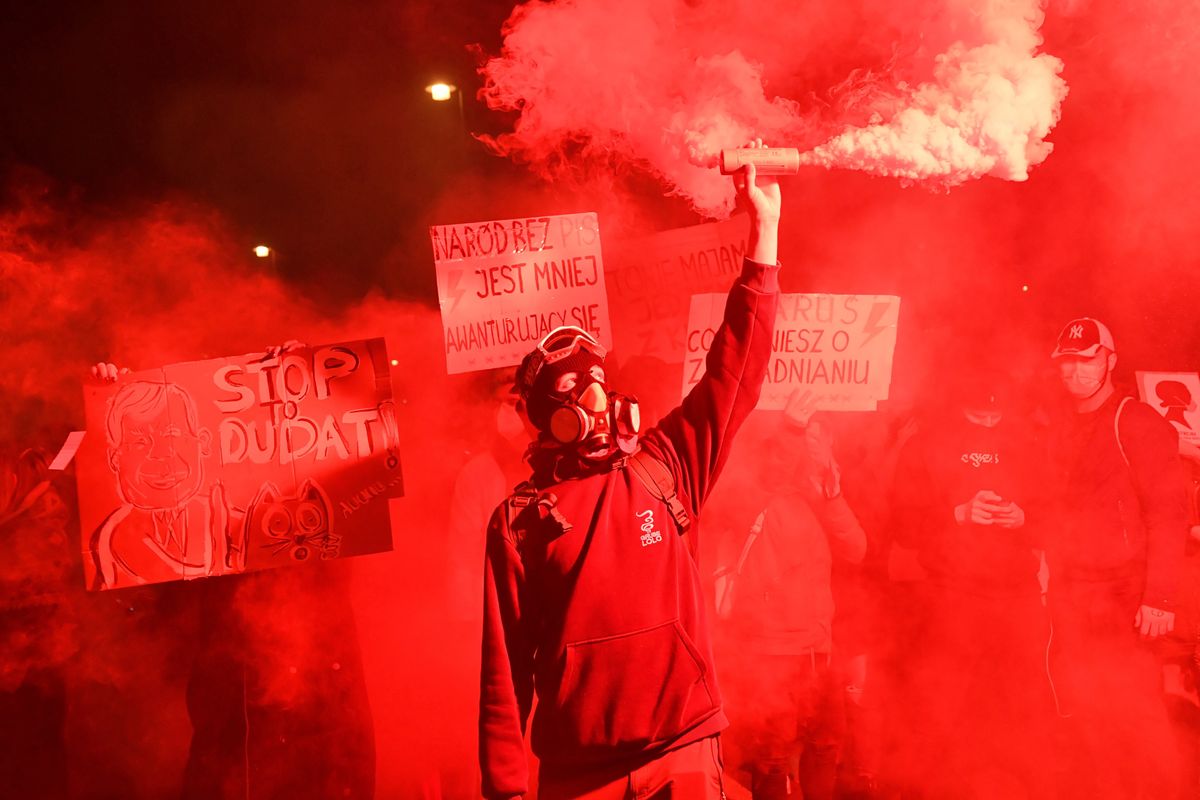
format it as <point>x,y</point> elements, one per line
<point>651,280</point>
<point>505,284</point>
<point>236,464</point>
<point>1175,395</point>
<point>839,346</point>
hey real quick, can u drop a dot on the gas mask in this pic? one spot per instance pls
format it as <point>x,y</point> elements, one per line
<point>586,417</point>
<point>593,419</point>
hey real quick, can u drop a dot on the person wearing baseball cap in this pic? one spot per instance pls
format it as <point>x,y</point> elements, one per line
<point>1085,356</point>
<point>1083,336</point>
<point>1118,528</point>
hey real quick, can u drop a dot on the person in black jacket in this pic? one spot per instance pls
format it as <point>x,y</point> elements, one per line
<point>1115,551</point>
<point>963,497</point>
<point>37,626</point>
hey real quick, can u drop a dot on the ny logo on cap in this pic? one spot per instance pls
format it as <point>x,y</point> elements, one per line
<point>1076,332</point>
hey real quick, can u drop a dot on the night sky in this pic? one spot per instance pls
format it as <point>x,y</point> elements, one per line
<point>306,123</point>
<point>307,127</point>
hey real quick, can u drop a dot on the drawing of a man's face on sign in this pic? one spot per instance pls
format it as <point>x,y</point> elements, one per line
<point>166,527</point>
<point>216,467</point>
<point>156,446</point>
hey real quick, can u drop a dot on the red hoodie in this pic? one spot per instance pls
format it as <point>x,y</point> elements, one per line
<point>607,619</point>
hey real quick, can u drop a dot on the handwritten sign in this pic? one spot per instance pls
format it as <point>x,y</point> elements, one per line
<point>236,464</point>
<point>1176,396</point>
<point>840,346</point>
<point>503,285</point>
<point>651,280</point>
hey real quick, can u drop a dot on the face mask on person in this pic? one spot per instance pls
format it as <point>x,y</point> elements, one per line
<point>1083,378</point>
<point>508,422</point>
<point>567,398</point>
<point>985,418</point>
<point>595,420</point>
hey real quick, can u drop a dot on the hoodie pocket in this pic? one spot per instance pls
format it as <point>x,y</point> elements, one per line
<point>633,689</point>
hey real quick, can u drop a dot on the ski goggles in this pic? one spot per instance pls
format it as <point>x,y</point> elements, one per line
<point>556,345</point>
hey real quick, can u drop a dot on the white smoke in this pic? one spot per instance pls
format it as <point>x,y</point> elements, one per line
<point>664,85</point>
<point>987,111</point>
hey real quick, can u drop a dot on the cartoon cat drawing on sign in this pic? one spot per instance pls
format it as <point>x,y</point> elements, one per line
<point>299,525</point>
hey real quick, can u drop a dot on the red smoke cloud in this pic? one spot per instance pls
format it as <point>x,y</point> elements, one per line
<point>156,284</point>
<point>1106,226</point>
<point>173,281</point>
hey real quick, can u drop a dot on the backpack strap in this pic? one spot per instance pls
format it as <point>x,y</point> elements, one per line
<point>755,531</point>
<point>658,480</point>
<point>1117,429</point>
<point>728,579</point>
<point>523,496</point>
<point>526,500</point>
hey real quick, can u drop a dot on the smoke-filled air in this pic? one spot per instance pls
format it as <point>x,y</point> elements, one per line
<point>959,91</point>
<point>398,402</point>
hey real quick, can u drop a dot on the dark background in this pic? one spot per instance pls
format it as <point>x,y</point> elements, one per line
<point>305,125</point>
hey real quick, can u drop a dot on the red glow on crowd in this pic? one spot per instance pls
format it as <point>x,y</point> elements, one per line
<point>1003,171</point>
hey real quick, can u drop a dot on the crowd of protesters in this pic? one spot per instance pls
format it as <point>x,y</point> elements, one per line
<point>1023,623</point>
<point>990,603</point>
<point>987,597</point>
<point>996,595</point>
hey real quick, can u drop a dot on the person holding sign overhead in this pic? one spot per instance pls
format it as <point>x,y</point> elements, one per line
<point>276,701</point>
<point>591,590</point>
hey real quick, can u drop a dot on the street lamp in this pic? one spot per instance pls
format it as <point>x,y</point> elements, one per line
<point>441,91</point>
<point>263,251</point>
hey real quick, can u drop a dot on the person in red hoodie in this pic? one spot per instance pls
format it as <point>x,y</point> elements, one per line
<point>1115,552</point>
<point>590,597</point>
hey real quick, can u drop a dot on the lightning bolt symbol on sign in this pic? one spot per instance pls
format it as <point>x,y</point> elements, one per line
<point>872,327</point>
<point>453,279</point>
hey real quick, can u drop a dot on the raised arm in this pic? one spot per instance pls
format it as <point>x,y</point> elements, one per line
<point>693,440</point>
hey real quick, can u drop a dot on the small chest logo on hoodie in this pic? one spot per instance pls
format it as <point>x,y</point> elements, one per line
<point>649,534</point>
<point>978,459</point>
